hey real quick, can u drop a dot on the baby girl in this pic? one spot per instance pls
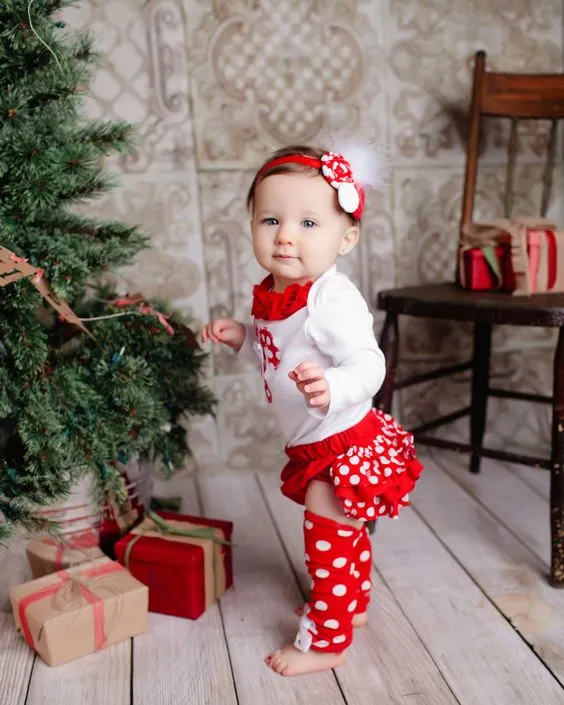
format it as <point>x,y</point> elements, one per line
<point>312,334</point>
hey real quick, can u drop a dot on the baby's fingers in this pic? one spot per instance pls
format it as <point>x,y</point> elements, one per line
<point>205,334</point>
<point>307,371</point>
<point>319,385</point>
<point>208,334</point>
<point>321,400</point>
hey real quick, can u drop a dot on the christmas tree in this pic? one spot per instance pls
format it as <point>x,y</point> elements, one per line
<point>72,403</point>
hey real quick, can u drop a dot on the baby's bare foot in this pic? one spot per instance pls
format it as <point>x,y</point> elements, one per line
<point>289,661</point>
<point>359,620</point>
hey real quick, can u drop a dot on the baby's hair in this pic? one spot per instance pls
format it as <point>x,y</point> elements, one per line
<point>288,168</point>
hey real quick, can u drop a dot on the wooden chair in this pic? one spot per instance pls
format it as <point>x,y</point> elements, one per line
<point>517,97</point>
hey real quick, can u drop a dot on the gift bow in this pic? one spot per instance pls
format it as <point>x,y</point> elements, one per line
<point>68,595</point>
<point>500,230</point>
<point>82,541</point>
<point>166,529</point>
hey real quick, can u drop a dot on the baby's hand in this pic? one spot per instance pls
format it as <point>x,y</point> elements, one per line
<point>311,382</point>
<point>226,331</point>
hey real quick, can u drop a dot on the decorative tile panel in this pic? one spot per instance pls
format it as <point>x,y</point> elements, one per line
<point>172,268</point>
<point>144,76</point>
<point>247,76</point>
<point>272,72</point>
<point>249,437</point>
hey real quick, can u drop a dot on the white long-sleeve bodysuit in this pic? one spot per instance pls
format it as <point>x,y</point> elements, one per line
<point>368,459</point>
<point>334,330</point>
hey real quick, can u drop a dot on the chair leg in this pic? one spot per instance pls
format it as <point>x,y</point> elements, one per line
<point>389,344</point>
<point>557,469</point>
<point>480,382</point>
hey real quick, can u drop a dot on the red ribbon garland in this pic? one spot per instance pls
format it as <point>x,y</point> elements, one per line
<point>144,308</point>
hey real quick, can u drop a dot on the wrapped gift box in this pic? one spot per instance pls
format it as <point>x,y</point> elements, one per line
<point>478,273</point>
<point>115,523</point>
<point>184,560</point>
<point>522,255</point>
<point>47,555</point>
<point>98,603</point>
<point>118,520</point>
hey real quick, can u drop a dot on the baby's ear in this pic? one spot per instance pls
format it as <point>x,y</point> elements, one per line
<point>349,240</point>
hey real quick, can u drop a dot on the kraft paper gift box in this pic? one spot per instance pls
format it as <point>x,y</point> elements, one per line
<point>75,612</point>
<point>46,555</point>
<point>185,560</point>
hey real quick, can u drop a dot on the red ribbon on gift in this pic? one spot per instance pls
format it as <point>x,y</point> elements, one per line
<point>533,250</point>
<point>96,602</point>
<point>552,259</point>
<point>80,541</point>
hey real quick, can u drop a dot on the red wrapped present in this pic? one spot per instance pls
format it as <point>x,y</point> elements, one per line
<point>522,255</point>
<point>186,561</point>
<point>487,268</point>
<point>116,521</point>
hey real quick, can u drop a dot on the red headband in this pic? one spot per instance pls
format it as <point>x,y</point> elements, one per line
<point>337,172</point>
<point>291,159</point>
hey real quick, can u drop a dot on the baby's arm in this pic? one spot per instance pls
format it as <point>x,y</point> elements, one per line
<point>340,325</point>
<point>247,350</point>
<point>236,335</point>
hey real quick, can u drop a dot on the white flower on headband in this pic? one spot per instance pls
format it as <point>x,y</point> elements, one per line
<point>367,158</point>
<point>338,173</point>
<point>351,167</point>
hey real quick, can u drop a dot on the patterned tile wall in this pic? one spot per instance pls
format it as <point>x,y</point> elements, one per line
<point>214,85</point>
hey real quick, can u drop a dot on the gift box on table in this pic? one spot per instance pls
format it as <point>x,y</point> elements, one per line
<point>47,555</point>
<point>97,603</point>
<point>522,255</point>
<point>487,268</point>
<point>186,561</point>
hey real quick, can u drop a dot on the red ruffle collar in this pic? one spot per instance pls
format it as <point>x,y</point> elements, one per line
<point>269,305</point>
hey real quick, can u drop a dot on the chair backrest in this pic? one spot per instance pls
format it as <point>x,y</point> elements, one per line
<point>517,97</point>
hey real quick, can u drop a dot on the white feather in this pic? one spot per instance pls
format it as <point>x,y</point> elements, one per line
<point>368,159</point>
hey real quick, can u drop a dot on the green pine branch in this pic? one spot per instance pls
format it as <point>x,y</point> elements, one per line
<point>68,404</point>
<point>109,137</point>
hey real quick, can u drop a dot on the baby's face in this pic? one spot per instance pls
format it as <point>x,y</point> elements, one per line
<point>298,228</point>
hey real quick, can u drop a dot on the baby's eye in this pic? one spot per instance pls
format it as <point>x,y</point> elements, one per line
<point>270,221</point>
<point>309,223</point>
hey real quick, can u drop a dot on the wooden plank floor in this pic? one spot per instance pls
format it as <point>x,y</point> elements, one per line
<point>462,612</point>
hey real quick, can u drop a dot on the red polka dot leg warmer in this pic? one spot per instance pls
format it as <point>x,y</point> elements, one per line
<point>326,624</point>
<point>363,570</point>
